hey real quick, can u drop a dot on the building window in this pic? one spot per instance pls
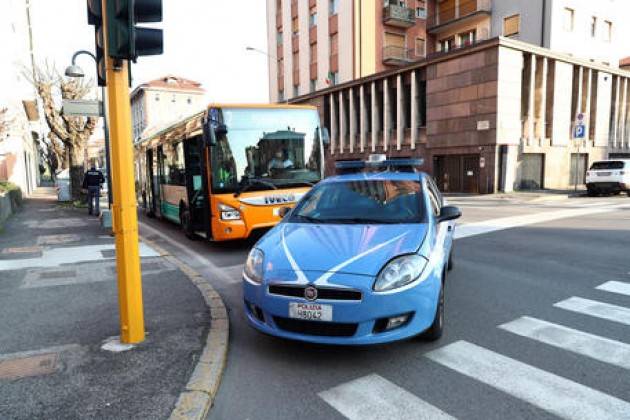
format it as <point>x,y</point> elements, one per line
<point>334,44</point>
<point>157,98</point>
<point>279,39</point>
<point>333,7</point>
<point>593,26</point>
<point>173,99</point>
<point>295,27</point>
<point>295,91</point>
<point>446,44</point>
<point>189,100</point>
<point>467,38</point>
<point>511,25</point>
<point>296,61</point>
<point>569,16</point>
<point>607,31</point>
<point>313,53</point>
<point>333,78</point>
<point>420,47</point>
<point>280,95</point>
<point>312,18</point>
<point>421,10</point>
<point>313,85</point>
<point>281,67</point>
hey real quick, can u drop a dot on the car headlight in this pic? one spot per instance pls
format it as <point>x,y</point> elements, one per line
<point>229,212</point>
<point>254,266</point>
<point>400,272</point>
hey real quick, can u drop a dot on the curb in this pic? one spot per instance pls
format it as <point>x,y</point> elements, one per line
<point>199,393</point>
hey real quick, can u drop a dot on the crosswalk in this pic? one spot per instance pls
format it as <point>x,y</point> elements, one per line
<point>375,397</point>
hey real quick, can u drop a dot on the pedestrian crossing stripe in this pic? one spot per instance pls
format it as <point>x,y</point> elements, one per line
<point>618,287</point>
<point>374,397</point>
<point>596,309</point>
<point>599,348</point>
<point>557,395</point>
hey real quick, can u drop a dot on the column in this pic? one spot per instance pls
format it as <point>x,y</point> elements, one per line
<point>342,123</point>
<point>400,114</point>
<point>615,125</point>
<point>543,100</point>
<point>622,121</point>
<point>531,98</point>
<point>414,108</point>
<point>362,118</point>
<point>587,111</point>
<point>333,124</point>
<point>386,114</point>
<point>578,103</point>
<point>353,120</point>
<point>375,126</point>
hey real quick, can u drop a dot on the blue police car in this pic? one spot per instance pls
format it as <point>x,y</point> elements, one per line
<point>361,259</point>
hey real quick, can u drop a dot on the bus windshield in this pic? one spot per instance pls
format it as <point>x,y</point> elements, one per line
<point>265,148</point>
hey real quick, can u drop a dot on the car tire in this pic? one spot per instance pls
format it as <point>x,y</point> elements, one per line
<point>434,332</point>
<point>186,224</point>
<point>591,193</point>
<point>450,264</point>
<point>628,193</point>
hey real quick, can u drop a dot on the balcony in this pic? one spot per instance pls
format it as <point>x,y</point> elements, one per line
<point>448,13</point>
<point>402,17</point>
<point>399,56</point>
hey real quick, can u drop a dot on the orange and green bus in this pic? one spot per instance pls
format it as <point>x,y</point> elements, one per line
<point>227,171</point>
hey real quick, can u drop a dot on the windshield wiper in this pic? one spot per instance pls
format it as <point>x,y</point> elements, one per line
<point>309,219</point>
<point>251,182</point>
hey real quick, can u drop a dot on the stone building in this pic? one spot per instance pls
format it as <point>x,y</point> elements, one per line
<point>496,116</point>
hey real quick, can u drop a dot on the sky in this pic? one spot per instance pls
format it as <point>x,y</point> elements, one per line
<point>204,40</point>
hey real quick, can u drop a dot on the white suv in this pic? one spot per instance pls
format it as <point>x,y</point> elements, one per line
<point>608,176</point>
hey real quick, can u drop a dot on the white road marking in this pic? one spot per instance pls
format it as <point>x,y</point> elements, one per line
<point>69,255</point>
<point>619,287</point>
<point>493,225</point>
<point>593,346</point>
<point>557,395</point>
<point>373,397</point>
<point>203,261</point>
<point>596,309</point>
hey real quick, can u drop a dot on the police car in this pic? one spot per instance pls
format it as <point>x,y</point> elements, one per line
<point>361,259</point>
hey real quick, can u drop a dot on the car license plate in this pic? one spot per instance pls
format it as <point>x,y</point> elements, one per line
<point>604,173</point>
<point>310,311</point>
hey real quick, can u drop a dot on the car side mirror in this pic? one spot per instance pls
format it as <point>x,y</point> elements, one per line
<point>283,211</point>
<point>448,213</point>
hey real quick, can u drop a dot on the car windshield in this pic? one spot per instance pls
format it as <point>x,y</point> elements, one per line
<point>265,148</point>
<point>607,164</point>
<point>362,201</point>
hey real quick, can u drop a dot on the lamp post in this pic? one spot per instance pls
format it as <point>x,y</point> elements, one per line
<point>73,70</point>
<point>262,52</point>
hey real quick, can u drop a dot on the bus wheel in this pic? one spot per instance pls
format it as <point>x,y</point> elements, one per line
<point>186,224</point>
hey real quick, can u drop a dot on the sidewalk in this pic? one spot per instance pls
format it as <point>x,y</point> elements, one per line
<point>59,304</point>
<point>534,196</point>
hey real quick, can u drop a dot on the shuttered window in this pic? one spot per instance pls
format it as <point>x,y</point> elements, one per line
<point>511,25</point>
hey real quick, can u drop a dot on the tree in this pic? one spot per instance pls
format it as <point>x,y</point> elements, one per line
<point>72,132</point>
<point>4,122</point>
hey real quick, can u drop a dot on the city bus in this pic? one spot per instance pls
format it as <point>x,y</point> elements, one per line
<point>226,172</point>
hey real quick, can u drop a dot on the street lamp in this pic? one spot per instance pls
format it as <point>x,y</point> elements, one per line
<point>74,70</point>
<point>262,52</point>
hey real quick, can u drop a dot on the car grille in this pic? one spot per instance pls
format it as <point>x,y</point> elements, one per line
<point>322,292</point>
<point>322,329</point>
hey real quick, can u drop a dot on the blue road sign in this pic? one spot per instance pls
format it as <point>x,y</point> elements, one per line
<point>580,131</point>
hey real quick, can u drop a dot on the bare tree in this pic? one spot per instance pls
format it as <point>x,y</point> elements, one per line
<point>73,132</point>
<point>4,122</point>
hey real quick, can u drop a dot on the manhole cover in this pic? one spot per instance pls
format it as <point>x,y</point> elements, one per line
<point>57,274</point>
<point>42,364</point>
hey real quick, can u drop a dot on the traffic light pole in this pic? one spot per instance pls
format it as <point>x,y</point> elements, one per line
<point>124,208</point>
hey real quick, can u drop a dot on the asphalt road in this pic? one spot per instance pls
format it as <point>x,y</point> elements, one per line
<point>528,332</point>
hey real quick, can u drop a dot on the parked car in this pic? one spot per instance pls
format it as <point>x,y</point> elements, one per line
<point>361,259</point>
<point>608,177</point>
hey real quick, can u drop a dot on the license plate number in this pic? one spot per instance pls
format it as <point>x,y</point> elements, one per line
<point>604,173</point>
<point>310,311</point>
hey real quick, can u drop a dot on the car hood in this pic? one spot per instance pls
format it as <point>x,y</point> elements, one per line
<point>338,248</point>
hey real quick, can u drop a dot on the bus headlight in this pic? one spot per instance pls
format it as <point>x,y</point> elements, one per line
<point>229,212</point>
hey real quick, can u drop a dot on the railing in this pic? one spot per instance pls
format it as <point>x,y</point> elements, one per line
<point>399,16</point>
<point>442,16</point>
<point>399,55</point>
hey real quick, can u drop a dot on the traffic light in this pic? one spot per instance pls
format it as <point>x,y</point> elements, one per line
<point>95,17</point>
<point>127,41</point>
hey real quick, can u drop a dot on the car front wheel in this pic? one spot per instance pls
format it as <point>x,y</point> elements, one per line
<point>437,327</point>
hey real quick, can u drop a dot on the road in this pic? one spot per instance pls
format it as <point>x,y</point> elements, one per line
<point>537,322</point>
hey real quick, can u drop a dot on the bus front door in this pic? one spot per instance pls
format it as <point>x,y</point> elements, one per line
<point>195,185</point>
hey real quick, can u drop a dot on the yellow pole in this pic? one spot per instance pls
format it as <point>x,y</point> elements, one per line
<point>124,208</point>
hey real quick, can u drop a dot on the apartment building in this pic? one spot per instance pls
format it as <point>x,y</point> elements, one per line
<point>581,28</point>
<point>314,44</point>
<point>159,102</point>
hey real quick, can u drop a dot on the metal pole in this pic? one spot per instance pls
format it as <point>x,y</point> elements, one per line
<point>577,159</point>
<point>125,206</point>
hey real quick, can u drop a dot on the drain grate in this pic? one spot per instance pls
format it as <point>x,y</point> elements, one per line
<point>42,364</point>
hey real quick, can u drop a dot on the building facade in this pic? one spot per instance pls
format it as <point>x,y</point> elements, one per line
<point>19,154</point>
<point>593,30</point>
<point>314,44</point>
<point>497,116</point>
<point>162,101</point>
